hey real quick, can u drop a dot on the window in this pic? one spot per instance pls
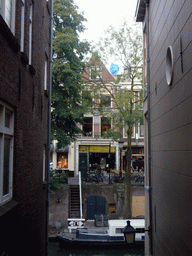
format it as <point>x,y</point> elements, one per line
<point>105,100</point>
<point>105,125</point>
<point>87,98</point>
<point>6,152</point>
<point>22,25</point>
<point>30,33</point>
<point>7,11</point>
<point>125,128</point>
<point>141,129</point>
<point>95,73</point>
<point>112,208</point>
<point>45,73</point>
<point>88,126</point>
<point>169,65</point>
<point>119,230</point>
<point>62,160</point>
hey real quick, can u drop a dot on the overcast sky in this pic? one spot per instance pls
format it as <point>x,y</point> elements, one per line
<point>102,13</point>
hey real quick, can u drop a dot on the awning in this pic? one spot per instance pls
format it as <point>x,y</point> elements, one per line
<point>101,149</point>
<point>62,150</point>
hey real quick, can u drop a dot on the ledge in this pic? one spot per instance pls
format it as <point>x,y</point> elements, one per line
<point>7,207</point>
<point>7,34</point>
<point>32,70</point>
<point>24,58</point>
<point>46,93</point>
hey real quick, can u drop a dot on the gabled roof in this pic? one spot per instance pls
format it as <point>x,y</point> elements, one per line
<point>106,76</point>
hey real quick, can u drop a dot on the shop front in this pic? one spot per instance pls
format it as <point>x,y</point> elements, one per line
<point>93,158</point>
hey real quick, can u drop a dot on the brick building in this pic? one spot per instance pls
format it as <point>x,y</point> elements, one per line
<point>25,47</point>
<point>167,108</point>
<point>91,149</point>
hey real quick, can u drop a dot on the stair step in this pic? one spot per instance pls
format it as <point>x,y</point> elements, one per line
<point>74,201</point>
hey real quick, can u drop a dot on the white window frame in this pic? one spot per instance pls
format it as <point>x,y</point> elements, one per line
<point>22,25</point>
<point>6,132</point>
<point>11,10</point>
<point>139,128</point>
<point>125,133</point>
<point>30,32</point>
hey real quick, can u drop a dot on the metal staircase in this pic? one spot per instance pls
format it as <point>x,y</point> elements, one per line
<point>75,197</point>
<point>74,201</point>
<point>75,219</point>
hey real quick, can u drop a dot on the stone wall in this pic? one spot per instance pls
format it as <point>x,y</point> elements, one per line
<point>113,194</point>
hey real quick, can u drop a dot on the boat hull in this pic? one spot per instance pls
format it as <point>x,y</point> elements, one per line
<point>67,241</point>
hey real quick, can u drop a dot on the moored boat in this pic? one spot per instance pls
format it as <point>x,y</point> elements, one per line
<point>112,237</point>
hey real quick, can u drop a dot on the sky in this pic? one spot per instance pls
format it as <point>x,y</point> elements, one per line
<point>101,14</point>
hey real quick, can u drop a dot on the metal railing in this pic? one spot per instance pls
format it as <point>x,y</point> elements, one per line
<point>106,178</point>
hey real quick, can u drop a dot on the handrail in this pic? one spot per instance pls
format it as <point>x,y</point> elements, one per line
<point>80,195</point>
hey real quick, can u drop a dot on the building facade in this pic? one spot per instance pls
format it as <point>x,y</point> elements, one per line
<point>167,108</point>
<point>25,47</point>
<point>91,149</point>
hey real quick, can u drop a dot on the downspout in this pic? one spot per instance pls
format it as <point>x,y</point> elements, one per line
<point>149,132</point>
<point>49,114</point>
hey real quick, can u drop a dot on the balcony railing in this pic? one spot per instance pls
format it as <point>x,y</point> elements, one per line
<point>136,178</point>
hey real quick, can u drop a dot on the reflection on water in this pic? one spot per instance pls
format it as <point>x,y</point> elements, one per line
<point>54,250</point>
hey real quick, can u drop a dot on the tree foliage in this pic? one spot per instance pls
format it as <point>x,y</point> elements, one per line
<point>68,66</point>
<point>56,180</point>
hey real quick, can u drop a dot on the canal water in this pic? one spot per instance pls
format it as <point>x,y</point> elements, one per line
<point>55,250</point>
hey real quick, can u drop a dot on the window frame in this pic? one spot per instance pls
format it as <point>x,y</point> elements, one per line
<point>12,10</point>
<point>98,73</point>
<point>45,73</point>
<point>88,124</point>
<point>125,133</point>
<point>141,126</point>
<point>104,95</point>
<point>30,32</point>
<point>6,131</point>
<point>105,124</point>
<point>22,26</point>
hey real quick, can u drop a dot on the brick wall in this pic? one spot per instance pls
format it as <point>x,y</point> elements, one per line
<point>22,88</point>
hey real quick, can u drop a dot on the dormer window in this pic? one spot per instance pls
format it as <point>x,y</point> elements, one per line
<point>95,73</point>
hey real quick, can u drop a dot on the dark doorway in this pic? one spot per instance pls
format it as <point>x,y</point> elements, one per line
<point>95,206</point>
<point>83,164</point>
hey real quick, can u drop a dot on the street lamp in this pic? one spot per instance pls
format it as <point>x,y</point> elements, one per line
<point>129,233</point>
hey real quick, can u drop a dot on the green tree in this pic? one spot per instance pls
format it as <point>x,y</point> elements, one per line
<point>68,66</point>
<point>125,46</point>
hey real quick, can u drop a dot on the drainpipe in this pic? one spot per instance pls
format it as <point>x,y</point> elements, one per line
<point>149,188</point>
<point>49,114</point>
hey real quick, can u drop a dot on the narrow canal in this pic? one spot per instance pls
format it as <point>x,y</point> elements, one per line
<point>54,250</point>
